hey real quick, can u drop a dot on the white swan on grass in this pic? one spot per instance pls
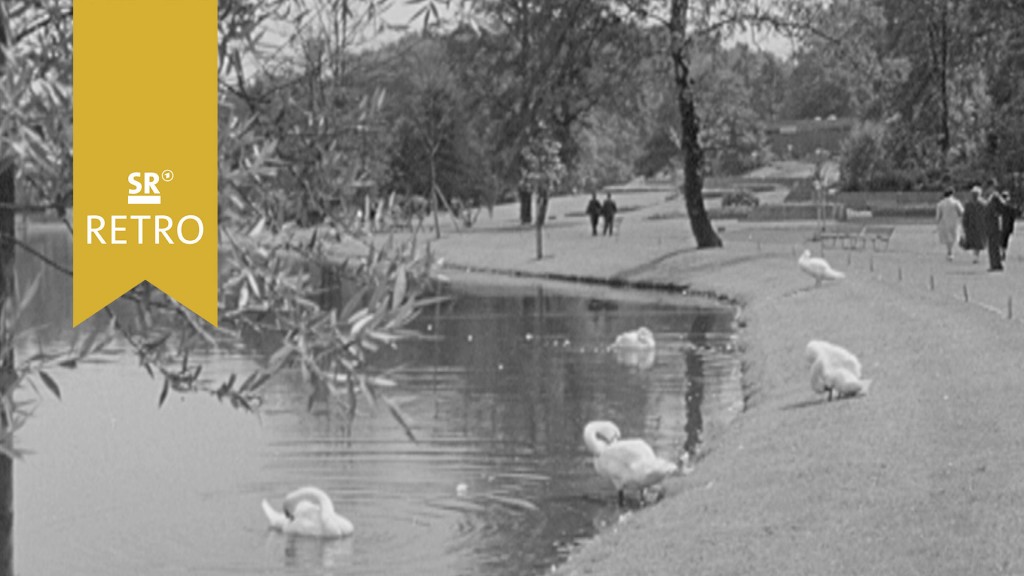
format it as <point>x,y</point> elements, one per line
<point>629,464</point>
<point>640,339</point>
<point>818,268</point>
<point>308,511</point>
<point>835,370</point>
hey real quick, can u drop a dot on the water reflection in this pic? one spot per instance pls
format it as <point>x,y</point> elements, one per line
<point>497,401</point>
<point>639,359</point>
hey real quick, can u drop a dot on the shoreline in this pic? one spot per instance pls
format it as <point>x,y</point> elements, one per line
<point>922,475</point>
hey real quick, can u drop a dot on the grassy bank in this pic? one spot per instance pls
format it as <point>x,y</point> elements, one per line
<point>921,476</point>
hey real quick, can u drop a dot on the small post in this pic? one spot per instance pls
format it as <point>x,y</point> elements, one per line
<point>966,297</point>
<point>871,263</point>
<point>1009,307</point>
<point>931,282</point>
<point>848,259</point>
<point>899,274</point>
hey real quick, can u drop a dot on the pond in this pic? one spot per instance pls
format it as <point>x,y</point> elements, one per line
<point>497,482</point>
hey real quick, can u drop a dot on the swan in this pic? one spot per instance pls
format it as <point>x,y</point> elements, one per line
<point>640,339</point>
<point>308,511</point>
<point>834,370</point>
<point>629,464</point>
<point>846,384</point>
<point>640,359</point>
<point>818,268</point>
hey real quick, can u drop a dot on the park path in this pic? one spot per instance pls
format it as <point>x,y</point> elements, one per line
<point>923,476</point>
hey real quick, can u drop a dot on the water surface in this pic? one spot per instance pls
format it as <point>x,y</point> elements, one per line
<point>497,482</point>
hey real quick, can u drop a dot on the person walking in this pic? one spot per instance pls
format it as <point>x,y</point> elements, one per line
<point>948,213</point>
<point>974,237</point>
<point>608,210</point>
<point>594,212</point>
<point>1009,218</point>
<point>996,211</point>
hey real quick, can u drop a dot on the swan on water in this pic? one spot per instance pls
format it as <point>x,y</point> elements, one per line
<point>629,464</point>
<point>308,511</point>
<point>835,370</point>
<point>640,339</point>
<point>818,268</point>
<point>640,359</point>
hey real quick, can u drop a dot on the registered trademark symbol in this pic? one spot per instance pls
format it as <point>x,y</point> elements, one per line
<point>167,175</point>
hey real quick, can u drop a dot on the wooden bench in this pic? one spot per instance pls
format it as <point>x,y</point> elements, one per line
<point>848,236</point>
<point>878,235</point>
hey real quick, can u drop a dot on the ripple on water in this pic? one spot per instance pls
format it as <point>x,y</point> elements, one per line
<point>179,490</point>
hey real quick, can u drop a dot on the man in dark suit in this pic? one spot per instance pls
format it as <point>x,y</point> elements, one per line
<point>997,211</point>
<point>608,210</point>
<point>1008,220</point>
<point>594,211</point>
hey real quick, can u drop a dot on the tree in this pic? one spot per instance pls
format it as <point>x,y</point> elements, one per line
<point>768,87</point>
<point>7,379</point>
<point>920,68</point>
<point>925,32</point>
<point>550,61</point>
<point>432,147</point>
<point>35,139</point>
<point>542,174</point>
<point>609,142</point>
<point>538,71</point>
<point>268,252</point>
<point>816,89</point>
<point>693,153</point>
<point>1002,148</point>
<point>660,152</point>
<point>681,40</point>
<point>732,131</point>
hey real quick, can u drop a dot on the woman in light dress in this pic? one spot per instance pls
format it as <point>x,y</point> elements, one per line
<point>948,213</point>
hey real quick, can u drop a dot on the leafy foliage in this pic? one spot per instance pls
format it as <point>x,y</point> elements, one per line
<point>660,152</point>
<point>542,170</point>
<point>937,74</point>
<point>864,157</point>
<point>542,61</point>
<point>290,149</point>
<point>740,198</point>
<point>431,141</point>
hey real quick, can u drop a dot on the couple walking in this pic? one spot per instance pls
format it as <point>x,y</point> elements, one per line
<point>596,210</point>
<point>987,221</point>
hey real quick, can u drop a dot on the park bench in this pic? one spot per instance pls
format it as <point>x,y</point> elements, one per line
<point>878,235</point>
<point>843,234</point>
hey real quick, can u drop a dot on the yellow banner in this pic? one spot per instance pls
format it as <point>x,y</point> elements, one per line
<point>145,131</point>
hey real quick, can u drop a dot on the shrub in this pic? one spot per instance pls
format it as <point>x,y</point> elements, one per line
<point>740,198</point>
<point>730,212</point>
<point>891,180</point>
<point>863,158</point>
<point>802,191</point>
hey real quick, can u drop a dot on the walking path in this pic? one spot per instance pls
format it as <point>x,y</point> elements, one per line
<point>925,475</point>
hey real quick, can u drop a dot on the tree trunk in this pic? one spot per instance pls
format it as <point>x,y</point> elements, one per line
<point>433,194</point>
<point>542,212</point>
<point>8,377</point>
<point>525,207</point>
<point>693,154</point>
<point>945,141</point>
